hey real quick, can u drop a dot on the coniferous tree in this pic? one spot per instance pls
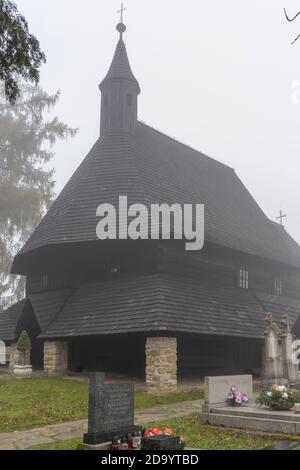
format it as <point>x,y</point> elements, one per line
<point>20,54</point>
<point>26,185</point>
<point>24,345</point>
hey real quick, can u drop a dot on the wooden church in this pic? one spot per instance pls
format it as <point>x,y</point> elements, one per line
<point>149,307</point>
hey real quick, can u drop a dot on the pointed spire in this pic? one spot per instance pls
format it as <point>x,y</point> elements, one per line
<point>120,90</point>
<point>120,66</point>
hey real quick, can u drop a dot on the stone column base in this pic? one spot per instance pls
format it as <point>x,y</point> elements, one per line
<point>55,357</point>
<point>16,358</point>
<point>161,365</point>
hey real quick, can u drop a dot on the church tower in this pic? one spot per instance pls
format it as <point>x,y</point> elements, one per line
<point>119,92</point>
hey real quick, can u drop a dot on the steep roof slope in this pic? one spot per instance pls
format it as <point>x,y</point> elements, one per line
<point>156,303</point>
<point>150,167</point>
<point>9,319</point>
<point>153,303</point>
<point>120,66</point>
<point>46,307</point>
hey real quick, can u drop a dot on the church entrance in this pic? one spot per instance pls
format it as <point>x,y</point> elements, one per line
<point>120,354</point>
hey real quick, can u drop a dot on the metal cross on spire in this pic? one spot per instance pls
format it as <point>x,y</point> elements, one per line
<point>281,217</point>
<point>121,12</point>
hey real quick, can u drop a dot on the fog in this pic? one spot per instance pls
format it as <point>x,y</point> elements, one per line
<point>217,75</point>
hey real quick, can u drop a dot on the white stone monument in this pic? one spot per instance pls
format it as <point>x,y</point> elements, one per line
<point>289,366</point>
<point>279,366</point>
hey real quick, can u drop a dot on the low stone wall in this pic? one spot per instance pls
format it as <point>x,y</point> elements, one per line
<point>161,365</point>
<point>55,357</point>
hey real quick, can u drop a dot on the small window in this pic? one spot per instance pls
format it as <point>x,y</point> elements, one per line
<point>129,100</point>
<point>244,279</point>
<point>114,271</point>
<point>278,286</point>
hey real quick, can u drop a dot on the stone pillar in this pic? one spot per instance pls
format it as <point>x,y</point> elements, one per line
<point>273,364</point>
<point>16,357</point>
<point>161,365</point>
<point>55,357</point>
<point>7,352</point>
<point>290,370</point>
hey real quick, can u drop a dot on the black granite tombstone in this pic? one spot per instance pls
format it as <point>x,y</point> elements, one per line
<point>111,410</point>
<point>161,443</point>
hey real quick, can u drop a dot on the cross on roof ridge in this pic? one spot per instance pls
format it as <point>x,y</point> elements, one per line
<point>281,217</point>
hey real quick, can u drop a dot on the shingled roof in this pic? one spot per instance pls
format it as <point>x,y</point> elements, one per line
<point>280,306</point>
<point>153,303</point>
<point>158,303</point>
<point>150,167</point>
<point>9,320</point>
<point>120,66</point>
<point>47,307</point>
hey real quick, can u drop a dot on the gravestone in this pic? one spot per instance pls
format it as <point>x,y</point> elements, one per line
<point>161,443</point>
<point>217,389</point>
<point>272,356</point>
<point>278,365</point>
<point>290,369</point>
<point>111,410</point>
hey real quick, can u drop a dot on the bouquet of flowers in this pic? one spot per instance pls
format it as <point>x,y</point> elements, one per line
<point>157,431</point>
<point>278,398</point>
<point>236,397</point>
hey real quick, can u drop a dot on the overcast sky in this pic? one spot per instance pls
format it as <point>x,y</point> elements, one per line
<point>216,74</point>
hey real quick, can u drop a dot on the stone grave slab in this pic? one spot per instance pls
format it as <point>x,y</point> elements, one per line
<point>111,410</point>
<point>217,388</point>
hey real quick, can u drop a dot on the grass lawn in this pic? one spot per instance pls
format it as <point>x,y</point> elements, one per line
<point>197,436</point>
<point>144,400</point>
<point>35,402</point>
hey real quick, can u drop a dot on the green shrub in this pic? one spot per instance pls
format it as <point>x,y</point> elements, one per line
<point>24,343</point>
